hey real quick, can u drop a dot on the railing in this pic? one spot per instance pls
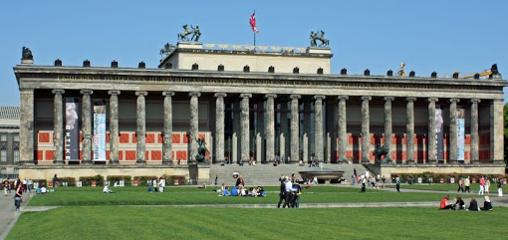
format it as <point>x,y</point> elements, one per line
<point>257,49</point>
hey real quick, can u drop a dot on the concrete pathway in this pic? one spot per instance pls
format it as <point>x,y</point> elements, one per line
<point>8,214</point>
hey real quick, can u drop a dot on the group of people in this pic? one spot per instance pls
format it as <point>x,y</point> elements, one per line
<point>458,204</point>
<point>156,185</point>
<point>19,186</point>
<point>290,191</point>
<point>240,189</point>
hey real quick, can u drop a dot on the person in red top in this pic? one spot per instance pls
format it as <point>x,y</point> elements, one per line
<point>444,203</point>
<point>482,186</point>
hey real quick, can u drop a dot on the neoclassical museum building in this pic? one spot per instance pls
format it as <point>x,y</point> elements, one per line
<point>252,104</point>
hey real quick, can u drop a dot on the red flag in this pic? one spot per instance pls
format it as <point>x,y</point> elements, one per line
<point>252,22</point>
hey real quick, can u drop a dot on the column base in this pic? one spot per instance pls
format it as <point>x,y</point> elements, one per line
<point>87,162</point>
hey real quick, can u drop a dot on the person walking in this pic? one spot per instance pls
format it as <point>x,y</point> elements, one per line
<point>364,183</point>
<point>282,192</point>
<point>500,187</point>
<point>487,186</point>
<point>19,194</point>
<point>461,185</point>
<point>397,183</point>
<point>482,186</point>
<point>467,184</point>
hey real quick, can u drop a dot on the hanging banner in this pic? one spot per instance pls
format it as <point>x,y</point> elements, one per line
<point>439,134</point>
<point>71,130</point>
<point>99,131</point>
<point>460,133</point>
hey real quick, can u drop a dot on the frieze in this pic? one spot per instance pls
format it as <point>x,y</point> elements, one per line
<point>271,80</point>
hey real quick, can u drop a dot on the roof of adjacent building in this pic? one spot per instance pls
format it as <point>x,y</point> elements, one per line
<point>9,112</point>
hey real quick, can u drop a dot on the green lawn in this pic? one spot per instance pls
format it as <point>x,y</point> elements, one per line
<point>192,195</point>
<point>449,187</point>
<point>131,222</point>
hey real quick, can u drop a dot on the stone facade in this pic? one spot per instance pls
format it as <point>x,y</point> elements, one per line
<point>155,116</point>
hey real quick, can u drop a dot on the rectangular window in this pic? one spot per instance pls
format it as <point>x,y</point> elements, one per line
<point>3,138</point>
<point>3,155</point>
<point>16,138</point>
<point>16,156</point>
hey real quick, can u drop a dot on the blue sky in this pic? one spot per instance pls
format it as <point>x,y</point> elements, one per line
<point>432,35</point>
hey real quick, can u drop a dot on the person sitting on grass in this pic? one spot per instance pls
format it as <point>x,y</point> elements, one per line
<point>459,203</point>
<point>106,189</point>
<point>473,205</point>
<point>226,192</point>
<point>445,205</point>
<point>487,204</point>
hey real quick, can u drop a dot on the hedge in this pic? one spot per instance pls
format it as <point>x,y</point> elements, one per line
<point>116,178</point>
<point>436,177</point>
<point>142,180</point>
<point>87,181</point>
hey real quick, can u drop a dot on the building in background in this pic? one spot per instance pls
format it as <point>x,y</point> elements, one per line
<point>247,103</point>
<point>9,141</point>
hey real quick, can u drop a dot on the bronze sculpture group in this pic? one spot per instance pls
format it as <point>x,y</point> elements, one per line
<point>191,31</point>
<point>318,36</point>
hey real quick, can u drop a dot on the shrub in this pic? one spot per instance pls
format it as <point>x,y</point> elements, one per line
<point>142,180</point>
<point>116,178</point>
<point>71,182</point>
<point>87,181</point>
<point>41,182</point>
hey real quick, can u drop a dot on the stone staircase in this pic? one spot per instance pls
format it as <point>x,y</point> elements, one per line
<point>267,174</point>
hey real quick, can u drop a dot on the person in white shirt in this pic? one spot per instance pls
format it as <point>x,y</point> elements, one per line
<point>162,184</point>
<point>106,189</point>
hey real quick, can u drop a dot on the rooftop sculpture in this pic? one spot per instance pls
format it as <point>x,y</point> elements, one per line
<point>191,31</point>
<point>26,54</point>
<point>319,36</point>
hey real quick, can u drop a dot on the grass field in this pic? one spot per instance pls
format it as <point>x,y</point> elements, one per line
<point>449,187</point>
<point>192,195</point>
<point>131,222</point>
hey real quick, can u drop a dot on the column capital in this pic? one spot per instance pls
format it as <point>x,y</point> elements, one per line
<point>295,96</point>
<point>389,99</point>
<point>454,100</point>
<point>368,98</point>
<point>114,92</point>
<point>221,94</point>
<point>168,93</point>
<point>410,99</point>
<point>320,97</point>
<point>245,95</point>
<point>343,98</point>
<point>86,91</point>
<point>58,91</point>
<point>475,100</point>
<point>139,93</point>
<point>194,94</point>
<point>433,99</point>
<point>270,95</point>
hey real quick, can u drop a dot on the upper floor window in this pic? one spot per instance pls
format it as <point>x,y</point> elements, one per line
<point>16,138</point>
<point>296,70</point>
<point>3,155</point>
<point>16,155</point>
<point>246,68</point>
<point>195,66</point>
<point>3,137</point>
<point>220,68</point>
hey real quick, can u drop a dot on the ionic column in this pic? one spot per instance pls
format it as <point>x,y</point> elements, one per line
<point>141,127</point>
<point>219,127</point>
<point>432,137</point>
<point>113,126</point>
<point>194,126</point>
<point>410,129</point>
<point>452,152</point>
<point>388,128</point>
<point>365,129</point>
<point>342,125</point>
<point>167,146</point>
<point>58,125</point>
<point>318,123</point>
<point>295,128</point>
<point>496,131</point>
<point>26,130</point>
<point>475,156</point>
<point>269,126</point>
<point>245,140</point>
<point>86,125</point>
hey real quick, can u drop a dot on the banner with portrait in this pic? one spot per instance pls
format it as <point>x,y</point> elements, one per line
<point>71,130</point>
<point>439,123</point>
<point>460,133</point>
<point>99,131</point>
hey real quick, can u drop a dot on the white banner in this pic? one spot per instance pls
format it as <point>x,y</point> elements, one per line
<point>99,132</point>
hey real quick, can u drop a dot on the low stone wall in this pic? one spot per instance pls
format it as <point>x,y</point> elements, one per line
<point>487,169</point>
<point>47,172</point>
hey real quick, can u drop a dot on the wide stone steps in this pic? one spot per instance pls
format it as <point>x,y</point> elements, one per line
<point>267,174</point>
